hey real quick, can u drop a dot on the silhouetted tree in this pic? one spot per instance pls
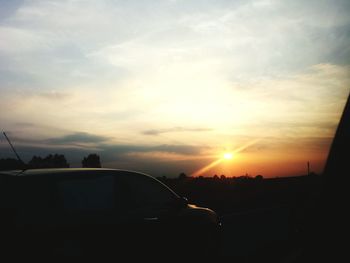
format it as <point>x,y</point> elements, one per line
<point>92,161</point>
<point>50,161</point>
<point>259,177</point>
<point>222,177</point>
<point>182,176</point>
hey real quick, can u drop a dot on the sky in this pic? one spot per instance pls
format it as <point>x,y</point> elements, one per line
<point>170,86</point>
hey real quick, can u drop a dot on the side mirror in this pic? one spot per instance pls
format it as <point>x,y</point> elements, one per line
<point>178,203</point>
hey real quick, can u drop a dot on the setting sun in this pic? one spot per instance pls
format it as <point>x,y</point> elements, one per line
<point>228,156</point>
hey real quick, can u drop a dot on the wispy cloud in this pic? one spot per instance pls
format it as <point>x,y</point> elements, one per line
<point>78,137</point>
<point>104,144</point>
<point>119,150</point>
<point>175,129</point>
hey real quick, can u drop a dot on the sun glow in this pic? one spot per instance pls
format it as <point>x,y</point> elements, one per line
<point>228,156</point>
<point>225,156</point>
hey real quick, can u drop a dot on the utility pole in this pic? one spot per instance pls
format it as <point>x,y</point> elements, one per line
<point>308,168</point>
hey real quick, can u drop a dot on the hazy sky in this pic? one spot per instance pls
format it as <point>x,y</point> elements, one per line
<point>169,86</point>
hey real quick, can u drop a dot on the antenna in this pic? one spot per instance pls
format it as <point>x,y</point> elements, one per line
<point>13,148</point>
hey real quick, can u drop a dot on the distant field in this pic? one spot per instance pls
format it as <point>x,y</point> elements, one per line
<point>228,195</point>
<point>260,217</point>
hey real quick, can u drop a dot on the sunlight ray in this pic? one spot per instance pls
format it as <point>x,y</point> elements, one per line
<point>226,156</point>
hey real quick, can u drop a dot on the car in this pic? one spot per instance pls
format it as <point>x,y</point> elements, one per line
<point>101,213</point>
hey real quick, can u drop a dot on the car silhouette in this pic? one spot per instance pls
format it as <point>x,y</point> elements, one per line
<point>100,213</point>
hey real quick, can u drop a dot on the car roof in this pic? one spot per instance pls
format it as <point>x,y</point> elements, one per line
<point>64,171</point>
<point>53,172</point>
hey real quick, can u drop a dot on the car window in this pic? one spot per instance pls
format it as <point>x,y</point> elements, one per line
<point>88,194</point>
<point>144,191</point>
<point>32,200</point>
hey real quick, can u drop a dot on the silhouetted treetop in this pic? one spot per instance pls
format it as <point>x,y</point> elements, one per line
<point>92,161</point>
<point>182,176</point>
<point>50,161</point>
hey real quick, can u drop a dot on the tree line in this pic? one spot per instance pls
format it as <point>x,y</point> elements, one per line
<point>50,161</point>
<point>184,176</point>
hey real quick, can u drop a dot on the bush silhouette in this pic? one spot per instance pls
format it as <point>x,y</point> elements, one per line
<point>92,161</point>
<point>50,161</point>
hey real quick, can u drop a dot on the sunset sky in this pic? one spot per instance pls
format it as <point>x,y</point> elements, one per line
<point>165,87</point>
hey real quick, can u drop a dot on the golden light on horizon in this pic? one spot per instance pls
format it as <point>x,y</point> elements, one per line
<point>226,156</point>
<point>206,168</point>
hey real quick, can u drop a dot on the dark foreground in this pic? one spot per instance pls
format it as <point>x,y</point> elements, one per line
<point>263,219</point>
